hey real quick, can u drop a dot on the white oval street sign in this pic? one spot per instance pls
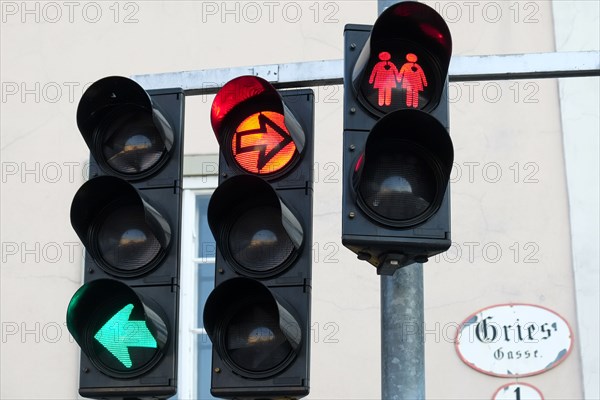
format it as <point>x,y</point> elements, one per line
<point>518,391</point>
<point>514,340</point>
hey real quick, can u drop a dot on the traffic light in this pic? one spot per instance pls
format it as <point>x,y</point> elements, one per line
<point>127,216</point>
<point>258,315</point>
<point>397,151</point>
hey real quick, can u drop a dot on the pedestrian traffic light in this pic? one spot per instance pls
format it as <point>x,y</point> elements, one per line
<point>127,215</point>
<point>397,151</point>
<point>258,315</point>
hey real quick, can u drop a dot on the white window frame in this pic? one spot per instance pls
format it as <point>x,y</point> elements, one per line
<point>188,291</point>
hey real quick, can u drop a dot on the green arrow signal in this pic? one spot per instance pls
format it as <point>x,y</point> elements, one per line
<point>119,333</point>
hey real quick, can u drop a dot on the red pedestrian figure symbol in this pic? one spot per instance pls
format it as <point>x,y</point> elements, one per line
<point>384,76</point>
<point>413,80</point>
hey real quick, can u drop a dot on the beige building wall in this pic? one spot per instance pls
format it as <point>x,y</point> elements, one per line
<point>509,188</point>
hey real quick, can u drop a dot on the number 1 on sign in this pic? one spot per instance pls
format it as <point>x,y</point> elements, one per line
<point>517,391</point>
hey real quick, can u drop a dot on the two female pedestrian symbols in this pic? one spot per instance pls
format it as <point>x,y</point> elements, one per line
<point>385,75</point>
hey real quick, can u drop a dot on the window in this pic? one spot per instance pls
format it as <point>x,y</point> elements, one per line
<point>196,283</point>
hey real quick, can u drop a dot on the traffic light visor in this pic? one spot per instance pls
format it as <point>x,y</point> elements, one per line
<point>126,134</point>
<point>124,234</point>
<point>121,335</point>
<point>253,332</point>
<point>417,22</point>
<point>401,177</point>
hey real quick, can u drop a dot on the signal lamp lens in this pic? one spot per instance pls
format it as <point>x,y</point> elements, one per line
<point>258,241</point>
<point>254,341</point>
<point>400,79</point>
<point>125,241</point>
<point>401,185</point>
<point>131,143</point>
<point>122,342</point>
<point>122,336</point>
<point>262,145</point>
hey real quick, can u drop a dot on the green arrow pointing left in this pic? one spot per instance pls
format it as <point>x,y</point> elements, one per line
<point>119,333</point>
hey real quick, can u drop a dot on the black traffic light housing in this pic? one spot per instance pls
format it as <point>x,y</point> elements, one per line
<point>397,151</point>
<point>128,216</point>
<point>258,315</point>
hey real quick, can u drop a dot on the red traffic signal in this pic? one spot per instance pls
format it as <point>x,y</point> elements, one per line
<point>405,61</point>
<point>258,315</point>
<point>257,132</point>
<point>397,151</point>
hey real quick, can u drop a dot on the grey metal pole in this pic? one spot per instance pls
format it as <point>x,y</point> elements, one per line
<point>402,320</point>
<point>402,344</point>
